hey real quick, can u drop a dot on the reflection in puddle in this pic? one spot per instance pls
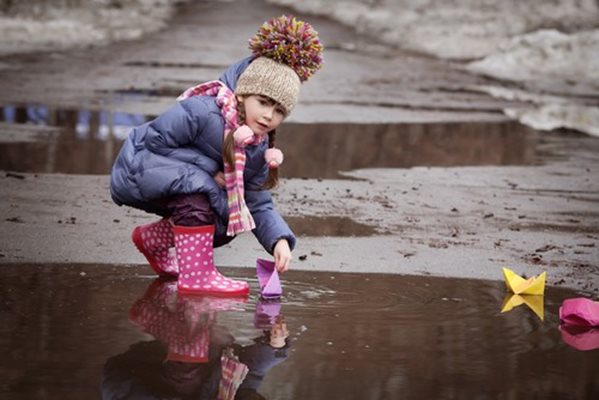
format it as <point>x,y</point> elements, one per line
<point>328,226</point>
<point>344,147</point>
<point>83,124</point>
<point>90,141</point>
<point>87,143</point>
<point>583,338</point>
<point>195,355</point>
<point>164,64</point>
<point>535,303</point>
<point>68,330</point>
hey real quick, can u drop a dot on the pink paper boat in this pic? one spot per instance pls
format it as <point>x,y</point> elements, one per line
<point>579,311</point>
<point>268,279</point>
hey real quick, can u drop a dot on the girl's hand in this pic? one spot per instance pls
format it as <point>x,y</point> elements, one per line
<point>282,255</point>
<point>220,179</point>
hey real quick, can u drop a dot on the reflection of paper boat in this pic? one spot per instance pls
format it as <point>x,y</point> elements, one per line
<point>267,312</point>
<point>268,279</point>
<point>535,303</point>
<point>579,311</point>
<point>579,337</point>
<point>519,285</point>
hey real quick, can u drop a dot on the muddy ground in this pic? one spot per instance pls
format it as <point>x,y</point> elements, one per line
<point>431,219</point>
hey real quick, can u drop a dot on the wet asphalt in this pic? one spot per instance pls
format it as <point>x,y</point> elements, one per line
<point>410,169</point>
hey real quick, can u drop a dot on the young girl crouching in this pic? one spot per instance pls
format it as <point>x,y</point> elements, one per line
<point>206,165</point>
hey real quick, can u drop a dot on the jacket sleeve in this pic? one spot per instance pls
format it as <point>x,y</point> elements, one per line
<point>173,134</point>
<point>270,226</point>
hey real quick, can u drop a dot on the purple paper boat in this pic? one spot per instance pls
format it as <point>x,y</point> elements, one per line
<point>268,279</point>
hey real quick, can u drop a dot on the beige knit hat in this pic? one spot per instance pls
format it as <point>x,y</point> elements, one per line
<point>272,79</point>
<point>288,52</point>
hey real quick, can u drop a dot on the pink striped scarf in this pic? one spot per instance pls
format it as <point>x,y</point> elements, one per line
<point>240,218</point>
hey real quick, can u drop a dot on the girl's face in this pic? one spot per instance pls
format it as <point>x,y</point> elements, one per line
<point>262,114</point>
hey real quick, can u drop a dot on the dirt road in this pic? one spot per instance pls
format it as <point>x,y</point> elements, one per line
<point>457,221</point>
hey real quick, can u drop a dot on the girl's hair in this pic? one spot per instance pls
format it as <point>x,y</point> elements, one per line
<point>229,152</point>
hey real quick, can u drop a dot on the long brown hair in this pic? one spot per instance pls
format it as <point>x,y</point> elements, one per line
<point>272,180</point>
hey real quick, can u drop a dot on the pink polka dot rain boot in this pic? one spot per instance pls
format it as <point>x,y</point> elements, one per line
<point>197,273</point>
<point>154,241</point>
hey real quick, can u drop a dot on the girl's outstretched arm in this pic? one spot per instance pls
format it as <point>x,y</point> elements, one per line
<point>271,228</point>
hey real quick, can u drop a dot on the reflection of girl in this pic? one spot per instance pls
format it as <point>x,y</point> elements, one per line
<point>188,359</point>
<point>205,164</point>
<point>142,372</point>
<point>268,351</point>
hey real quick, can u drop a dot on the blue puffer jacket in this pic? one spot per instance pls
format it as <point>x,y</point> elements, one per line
<point>180,152</point>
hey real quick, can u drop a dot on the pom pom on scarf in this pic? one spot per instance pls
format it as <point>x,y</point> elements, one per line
<point>294,43</point>
<point>243,135</point>
<point>273,157</point>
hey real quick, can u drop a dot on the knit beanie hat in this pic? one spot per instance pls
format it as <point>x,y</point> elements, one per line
<point>288,52</point>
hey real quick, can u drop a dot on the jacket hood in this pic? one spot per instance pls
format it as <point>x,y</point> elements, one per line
<point>232,74</point>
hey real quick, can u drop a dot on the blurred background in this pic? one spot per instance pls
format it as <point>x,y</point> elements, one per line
<point>543,52</point>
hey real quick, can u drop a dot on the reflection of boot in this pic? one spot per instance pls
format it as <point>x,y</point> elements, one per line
<point>161,305</point>
<point>268,279</point>
<point>266,314</point>
<point>195,317</point>
<point>197,273</point>
<point>153,312</point>
<point>181,322</point>
<point>190,342</point>
<point>154,241</point>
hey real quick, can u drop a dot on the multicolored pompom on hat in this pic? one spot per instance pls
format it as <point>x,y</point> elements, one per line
<point>288,52</point>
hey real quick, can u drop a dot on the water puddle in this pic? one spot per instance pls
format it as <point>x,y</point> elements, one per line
<point>87,142</point>
<point>329,226</point>
<point>163,64</point>
<point>70,332</point>
<point>345,147</point>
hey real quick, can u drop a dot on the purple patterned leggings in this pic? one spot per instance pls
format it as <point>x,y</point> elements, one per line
<point>194,210</point>
<point>190,210</point>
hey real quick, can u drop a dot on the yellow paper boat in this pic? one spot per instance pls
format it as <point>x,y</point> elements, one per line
<point>535,303</point>
<point>519,285</point>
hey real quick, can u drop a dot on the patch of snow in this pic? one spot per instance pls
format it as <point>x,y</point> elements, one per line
<point>545,55</point>
<point>38,25</point>
<point>25,35</point>
<point>553,116</point>
<point>511,94</point>
<point>453,29</point>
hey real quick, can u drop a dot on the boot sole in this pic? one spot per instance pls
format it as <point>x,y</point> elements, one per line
<point>241,292</point>
<point>154,264</point>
